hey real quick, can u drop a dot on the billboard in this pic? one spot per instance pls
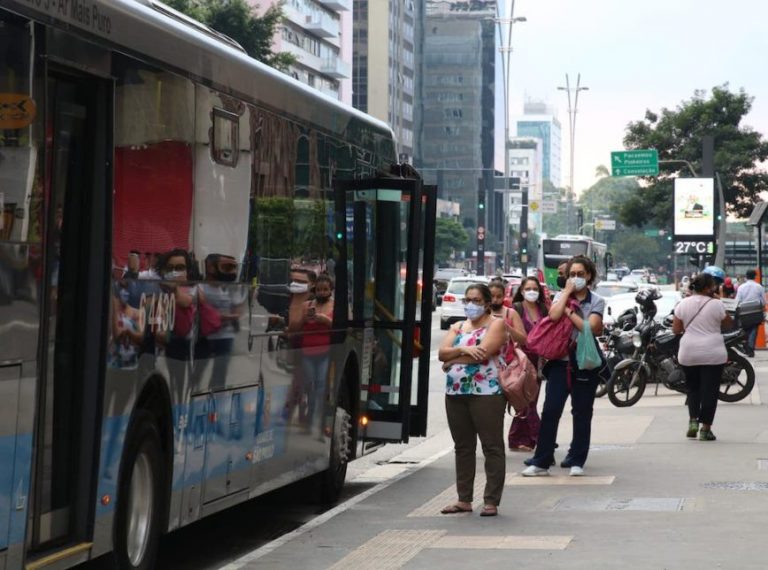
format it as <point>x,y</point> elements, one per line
<point>694,208</point>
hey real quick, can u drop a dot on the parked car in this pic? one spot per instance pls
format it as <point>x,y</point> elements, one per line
<point>617,304</point>
<point>442,277</point>
<point>452,308</point>
<point>611,288</point>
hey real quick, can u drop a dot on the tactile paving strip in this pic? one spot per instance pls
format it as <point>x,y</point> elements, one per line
<point>738,485</point>
<point>518,542</point>
<point>648,504</point>
<point>564,480</point>
<point>432,507</point>
<point>389,550</point>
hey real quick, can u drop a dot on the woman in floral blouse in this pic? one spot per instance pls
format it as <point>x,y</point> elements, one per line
<point>474,401</point>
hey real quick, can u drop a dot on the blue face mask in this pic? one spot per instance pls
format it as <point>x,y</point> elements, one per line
<point>474,311</point>
<point>579,283</point>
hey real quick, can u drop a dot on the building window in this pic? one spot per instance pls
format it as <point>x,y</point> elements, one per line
<point>225,137</point>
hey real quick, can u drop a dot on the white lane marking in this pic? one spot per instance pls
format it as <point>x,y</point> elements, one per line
<point>328,515</point>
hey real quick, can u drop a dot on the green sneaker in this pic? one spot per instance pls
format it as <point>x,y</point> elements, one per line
<point>706,435</point>
<point>693,429</point>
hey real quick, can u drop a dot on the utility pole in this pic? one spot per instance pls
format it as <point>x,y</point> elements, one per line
<point>572,110</point>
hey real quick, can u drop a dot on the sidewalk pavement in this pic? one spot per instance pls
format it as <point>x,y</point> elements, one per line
<point>650,499</point>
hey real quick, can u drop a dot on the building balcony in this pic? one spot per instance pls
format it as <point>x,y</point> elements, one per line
<point>305,58</point>
<point>338,5</point>
<point>336,68</point>
<point>322,25</point>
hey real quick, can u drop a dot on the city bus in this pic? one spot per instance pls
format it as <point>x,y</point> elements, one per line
<point>208,282</point>
<point>562,247</point>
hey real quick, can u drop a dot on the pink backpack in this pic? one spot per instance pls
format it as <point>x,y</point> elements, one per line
<point>519,380</point>
<point>551,339</point>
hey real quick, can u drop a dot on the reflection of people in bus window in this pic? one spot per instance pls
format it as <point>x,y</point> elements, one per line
<point>300,289</point>
<point>175,268</point>
<point>127,329</point>
<point>228,300</point>
<point>151,271</point>
<point>134,265</point>
<point>315,346</point>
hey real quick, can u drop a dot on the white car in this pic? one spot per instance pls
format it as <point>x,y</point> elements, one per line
<point>608,289</point>
<point>452,308</point>
<point>639,275</point>
<point>617,304</point>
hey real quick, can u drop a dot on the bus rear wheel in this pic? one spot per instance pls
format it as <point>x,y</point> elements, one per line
<point>140,496</point>
<point>331,481</point>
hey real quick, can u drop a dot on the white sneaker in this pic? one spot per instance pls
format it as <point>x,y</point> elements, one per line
<point>534,471</point>
<point>577,471</point>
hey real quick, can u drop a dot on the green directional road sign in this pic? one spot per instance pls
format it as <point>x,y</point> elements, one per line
<point>635,163</point>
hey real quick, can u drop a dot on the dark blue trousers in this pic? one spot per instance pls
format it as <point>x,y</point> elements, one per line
<point>582,394</point>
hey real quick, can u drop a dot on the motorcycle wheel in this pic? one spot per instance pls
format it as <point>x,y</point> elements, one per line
<point>620,391</point>
<point>605,375</point>
<point>738,379</point>
<point>602,388</point>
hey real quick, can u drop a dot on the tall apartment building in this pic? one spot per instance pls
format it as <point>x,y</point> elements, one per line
<point>383,72</point>
<point>525,163</point>
<point>456,111</point>
<point>539,121</point>
<point>318,33</point>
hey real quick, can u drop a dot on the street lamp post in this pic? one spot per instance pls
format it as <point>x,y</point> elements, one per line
<point>505,48</point>
<point>572,110</point>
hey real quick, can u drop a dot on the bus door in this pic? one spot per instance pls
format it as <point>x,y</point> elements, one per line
<point>75,306</point>
<point>380,220</point>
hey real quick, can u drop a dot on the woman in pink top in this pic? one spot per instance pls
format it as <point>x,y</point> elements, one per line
<point>702,352</point>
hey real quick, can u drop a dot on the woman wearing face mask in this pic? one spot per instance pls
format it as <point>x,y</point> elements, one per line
<point>474,401</point>
<point>702,352</point>
<point>512,319</point>
<point>315,349</point>
<point>176,269</point>
<point>529,304</point>
<point>564,377</point>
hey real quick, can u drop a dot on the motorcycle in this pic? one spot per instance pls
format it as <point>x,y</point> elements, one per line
<point>655,360</point>
<point>616,344</point>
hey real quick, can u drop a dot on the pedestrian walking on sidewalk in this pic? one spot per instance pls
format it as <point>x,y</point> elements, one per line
<point>748,291</point>
<point>564,378</point>
<point>530,304</point>
<point>702,352</point>
<point>474,401</point>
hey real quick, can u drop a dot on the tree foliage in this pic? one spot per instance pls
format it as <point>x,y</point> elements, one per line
<point>606,196</point>
<point>450,236</point>
<point>238,20</point>
<point>677,135</point>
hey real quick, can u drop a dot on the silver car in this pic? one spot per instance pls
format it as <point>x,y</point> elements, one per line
<point>452,307</point>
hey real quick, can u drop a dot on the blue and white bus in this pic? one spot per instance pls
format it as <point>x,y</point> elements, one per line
<point>167,204</point>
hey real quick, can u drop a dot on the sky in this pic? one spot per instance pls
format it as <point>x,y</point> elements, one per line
<point>633,56</point>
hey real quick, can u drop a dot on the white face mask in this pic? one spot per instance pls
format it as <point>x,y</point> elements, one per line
<point>531,296</point>
<point>298,288</point>
<point>174,274</point>
<point>474,311</point>
<point>579,283</point>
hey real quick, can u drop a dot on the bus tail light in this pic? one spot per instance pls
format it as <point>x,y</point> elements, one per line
<point>449,298</point>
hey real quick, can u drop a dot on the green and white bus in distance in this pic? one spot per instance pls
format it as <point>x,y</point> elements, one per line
<point>562,247</point>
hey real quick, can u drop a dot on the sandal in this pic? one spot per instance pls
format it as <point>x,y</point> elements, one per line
<point>489,511</point>
<point>455,509</point>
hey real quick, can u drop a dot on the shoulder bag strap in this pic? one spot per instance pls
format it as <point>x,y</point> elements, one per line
<point>697,314</point>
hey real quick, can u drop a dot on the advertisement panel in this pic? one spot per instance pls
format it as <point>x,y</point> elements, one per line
<point>694,208</point>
